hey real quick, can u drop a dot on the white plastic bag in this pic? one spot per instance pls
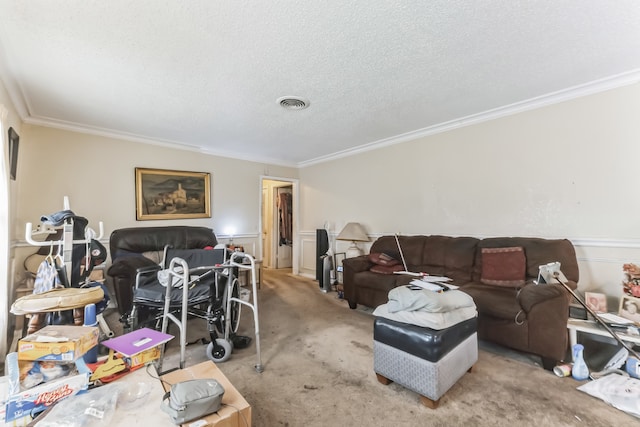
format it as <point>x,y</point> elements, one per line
<point>164,277</point>
<point>95,408</point>
<point>617,390</point>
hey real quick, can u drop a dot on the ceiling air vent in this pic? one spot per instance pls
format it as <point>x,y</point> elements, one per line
<point>293,102</point>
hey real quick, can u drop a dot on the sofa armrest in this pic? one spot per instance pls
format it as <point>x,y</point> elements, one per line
<point>129,266</point>
<point>123,274</point>
<point>532,295</point>
<point>357,264</point>
<point>547,311</point>
<point>148,269</point>
<point>350,267</point>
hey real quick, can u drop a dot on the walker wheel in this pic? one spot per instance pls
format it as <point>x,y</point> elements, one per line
<point>220,351</point>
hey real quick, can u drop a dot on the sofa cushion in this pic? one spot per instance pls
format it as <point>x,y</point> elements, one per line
<point>503,266</point>
<point>495,301</point>
<point>381,258</point>
<point>386,269</point>
<point>412,248</point>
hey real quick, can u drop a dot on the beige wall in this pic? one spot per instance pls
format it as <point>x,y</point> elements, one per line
<point>13,120</point>
<point>7,260</point>
<point>97,174</point>
<point>566,170</point>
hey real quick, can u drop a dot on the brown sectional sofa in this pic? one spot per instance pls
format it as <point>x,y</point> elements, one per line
<point>526,317</point>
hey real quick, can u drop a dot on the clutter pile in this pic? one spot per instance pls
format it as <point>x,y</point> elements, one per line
<point>52,364</point>
<point>618,384</point>
<point>47,367</point>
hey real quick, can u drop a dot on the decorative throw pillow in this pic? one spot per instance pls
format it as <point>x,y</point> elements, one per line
<point>386,269</point>
<point>504,266</point>
<point>383,259</point>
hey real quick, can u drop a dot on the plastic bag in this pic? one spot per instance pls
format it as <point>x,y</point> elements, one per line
<point>166,276</point>
<point>617,390</point>
<point>95,408</point>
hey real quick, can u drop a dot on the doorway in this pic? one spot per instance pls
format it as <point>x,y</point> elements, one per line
<point>279,223</point>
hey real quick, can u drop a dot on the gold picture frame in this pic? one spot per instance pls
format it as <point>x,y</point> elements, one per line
<point>170,194</point>
<point>596,301</point>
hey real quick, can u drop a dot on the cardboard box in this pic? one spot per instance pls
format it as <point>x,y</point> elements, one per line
<point>142,358</point>
<point>22,403</point>
<point>5,386</point>
<point>64,343</point>
<point>235,411</point>
<point>139,347</point>
<point>34,373</point>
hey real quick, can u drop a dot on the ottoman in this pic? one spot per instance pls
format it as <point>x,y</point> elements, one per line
<point>426,361</point>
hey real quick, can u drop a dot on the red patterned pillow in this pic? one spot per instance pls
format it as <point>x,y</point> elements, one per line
<point>504,266</point>
<point>383,259</point>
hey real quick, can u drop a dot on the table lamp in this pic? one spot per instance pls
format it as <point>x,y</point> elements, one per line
<point>354,232</point>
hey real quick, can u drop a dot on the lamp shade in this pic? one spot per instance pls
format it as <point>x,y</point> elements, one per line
<point>353,231</point>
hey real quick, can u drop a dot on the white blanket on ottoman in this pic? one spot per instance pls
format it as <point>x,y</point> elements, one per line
<point>404,298</point>
<point>426,319</point>
<point>435,310</point>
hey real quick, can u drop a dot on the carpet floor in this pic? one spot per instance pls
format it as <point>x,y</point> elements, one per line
<point>317,356</point>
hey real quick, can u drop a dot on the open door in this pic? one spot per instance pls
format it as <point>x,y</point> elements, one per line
<point>278,222</point>
<point>283,214</point>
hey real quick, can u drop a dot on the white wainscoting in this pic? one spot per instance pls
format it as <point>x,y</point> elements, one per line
<point>308,255</point>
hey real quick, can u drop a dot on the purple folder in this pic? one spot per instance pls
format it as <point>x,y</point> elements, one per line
<point>139,340</point>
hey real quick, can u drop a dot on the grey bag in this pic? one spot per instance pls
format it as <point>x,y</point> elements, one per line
<point>192,399</point>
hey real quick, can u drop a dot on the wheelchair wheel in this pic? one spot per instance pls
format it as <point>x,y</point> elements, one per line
<point>234,310</point>
<point>220,351</point>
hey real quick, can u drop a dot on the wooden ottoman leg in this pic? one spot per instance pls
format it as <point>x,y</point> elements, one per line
<point>383,380</point>
<point>433,404</point>
<point>469,370</point>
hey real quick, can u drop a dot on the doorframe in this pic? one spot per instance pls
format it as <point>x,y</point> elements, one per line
<point>295,247</point>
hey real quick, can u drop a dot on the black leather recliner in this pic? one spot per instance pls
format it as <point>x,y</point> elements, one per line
<point>139,247</point>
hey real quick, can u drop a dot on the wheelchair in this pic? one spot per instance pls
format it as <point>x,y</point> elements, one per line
<point>192,283</point>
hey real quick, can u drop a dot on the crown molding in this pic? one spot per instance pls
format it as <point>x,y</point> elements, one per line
<point>552,98</point>
<point>108,133</point>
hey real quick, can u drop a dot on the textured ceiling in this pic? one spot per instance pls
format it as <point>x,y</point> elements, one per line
<point>206,74</point>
